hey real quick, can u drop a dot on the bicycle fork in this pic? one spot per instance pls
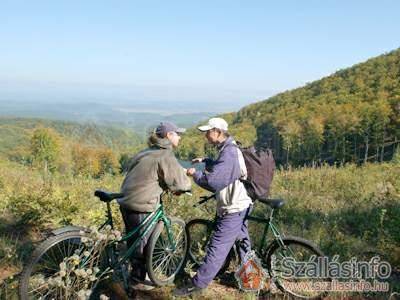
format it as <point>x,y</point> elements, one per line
<point>172,243</point>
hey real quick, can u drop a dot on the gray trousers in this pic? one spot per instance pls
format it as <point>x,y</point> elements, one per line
<point>229,228</point>
<point>132,219</point>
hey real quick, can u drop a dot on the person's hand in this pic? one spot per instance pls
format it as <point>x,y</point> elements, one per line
<point>197,160</point>
<point>178,193</point>
<point>190,171</point>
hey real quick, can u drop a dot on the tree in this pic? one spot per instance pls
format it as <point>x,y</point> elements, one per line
<point>291,134</point>
<point>45,148</point>
<point>93,162</point>
<point>108,162</point>
<point>84,161</point>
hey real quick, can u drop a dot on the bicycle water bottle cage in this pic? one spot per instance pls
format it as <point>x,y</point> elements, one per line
<point>106,196</point>
<point>273,203</point>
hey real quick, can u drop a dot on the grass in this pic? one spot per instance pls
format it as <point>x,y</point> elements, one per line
<point>349,210</point>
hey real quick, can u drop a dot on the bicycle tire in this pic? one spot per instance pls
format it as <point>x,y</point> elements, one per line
<point>199,232</point>
<point>162,263</point>
<point>300,250</point>
<point>55,257</point>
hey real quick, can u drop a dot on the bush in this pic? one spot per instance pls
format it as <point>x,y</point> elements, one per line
<point>55,201</point>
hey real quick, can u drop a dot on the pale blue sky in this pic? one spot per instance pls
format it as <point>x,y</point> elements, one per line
<point>185,50</point>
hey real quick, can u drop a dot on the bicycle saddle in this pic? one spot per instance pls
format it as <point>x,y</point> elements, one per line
<point>273,203</point>
<point>106,196</point>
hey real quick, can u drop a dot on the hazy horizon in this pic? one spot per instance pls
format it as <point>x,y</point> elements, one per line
<point>165,100</point>
<point>223,54</point>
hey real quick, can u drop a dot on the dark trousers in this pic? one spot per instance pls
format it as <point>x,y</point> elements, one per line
<point>132,219</point>
<point>229,228</point>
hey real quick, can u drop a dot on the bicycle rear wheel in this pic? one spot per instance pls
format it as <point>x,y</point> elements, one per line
<point>282,260</point>
<point>163,261</point>
<point>45,264</point>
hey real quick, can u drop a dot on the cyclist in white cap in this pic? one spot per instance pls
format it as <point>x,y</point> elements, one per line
<point>222,177</point>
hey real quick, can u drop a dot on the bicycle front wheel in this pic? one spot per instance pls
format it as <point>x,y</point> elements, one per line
<point>284,263</point>
<point>163,259</point>
<point>199,233</point>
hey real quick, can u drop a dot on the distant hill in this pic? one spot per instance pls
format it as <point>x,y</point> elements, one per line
<point>15,133</point>
<point>352,115</point>
<point>141,118</point>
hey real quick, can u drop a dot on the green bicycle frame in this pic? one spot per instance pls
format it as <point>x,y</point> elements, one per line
<point>269,225</point>
<point>145,226</point>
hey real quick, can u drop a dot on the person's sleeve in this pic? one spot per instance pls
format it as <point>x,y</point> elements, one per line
<point>209,163</point>
<point>173,174</point>
<point>221,174</point>
<point>200,178</point>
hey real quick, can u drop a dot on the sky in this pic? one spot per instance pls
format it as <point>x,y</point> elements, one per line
<point>223,51</point>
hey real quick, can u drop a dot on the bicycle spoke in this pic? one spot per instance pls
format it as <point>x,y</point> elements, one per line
<point>52,257</point>
<point>60,250</point>
<point>161,242</point>
<point>165,265</point>
<point>168,252</point>
<point>171,266</point>
<point>161,263</point>
<point>48,266</point>
<point>175,261</point>
<point>158,257</point>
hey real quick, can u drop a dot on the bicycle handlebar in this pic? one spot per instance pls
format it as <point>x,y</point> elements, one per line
<point>204,199</point>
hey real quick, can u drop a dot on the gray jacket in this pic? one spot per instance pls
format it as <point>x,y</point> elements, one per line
<point>151,172</point>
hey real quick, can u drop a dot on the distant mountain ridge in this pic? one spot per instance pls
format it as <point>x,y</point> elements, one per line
<point>141,120</point>
<point>352,115</point>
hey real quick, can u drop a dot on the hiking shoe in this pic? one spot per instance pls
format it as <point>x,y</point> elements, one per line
<point>138,286</point>
<point>141,285</point>
<point>187,291</point>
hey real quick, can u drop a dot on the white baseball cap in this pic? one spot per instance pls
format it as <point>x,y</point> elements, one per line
<point>218,123</point>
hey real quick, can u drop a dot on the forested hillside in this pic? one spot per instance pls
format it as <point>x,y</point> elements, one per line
<point>350,116</point>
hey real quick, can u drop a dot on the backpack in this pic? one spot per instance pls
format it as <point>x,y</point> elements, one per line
<point>260,166</point>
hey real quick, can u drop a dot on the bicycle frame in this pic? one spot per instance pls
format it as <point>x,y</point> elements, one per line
<point>269,226</point>
<point>145,226</point>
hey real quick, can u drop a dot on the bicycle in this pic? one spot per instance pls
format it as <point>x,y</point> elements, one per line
<point>275,255</point>
<point>165,252</point>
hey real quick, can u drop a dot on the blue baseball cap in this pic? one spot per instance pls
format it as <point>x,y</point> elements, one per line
<point>166,127</point>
